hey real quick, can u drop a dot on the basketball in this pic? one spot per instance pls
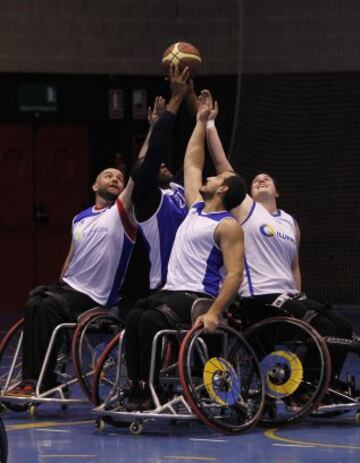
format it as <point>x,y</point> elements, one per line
<point>182,54</point>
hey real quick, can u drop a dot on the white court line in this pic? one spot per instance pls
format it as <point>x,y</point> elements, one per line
<point>208,440</point>
<point>295,445</point>
<point>52,430</point>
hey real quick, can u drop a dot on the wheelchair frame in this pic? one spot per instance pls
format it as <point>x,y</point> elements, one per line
<point>182,406</point>
<point>61,393</point>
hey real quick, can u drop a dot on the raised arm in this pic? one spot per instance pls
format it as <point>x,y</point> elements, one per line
<point>215,146</point>
<point>195,153</point>
<point>146,195</point>
<point>219,157</point>
<point>153,115</point>
<point>230,238</point>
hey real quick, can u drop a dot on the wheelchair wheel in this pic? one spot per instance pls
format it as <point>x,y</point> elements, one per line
<point>110,385</point>
<point>3,443</point>
<point>221,379</point>
<point>296,367</point>
<point>8,348</point>
<point>90,339</point>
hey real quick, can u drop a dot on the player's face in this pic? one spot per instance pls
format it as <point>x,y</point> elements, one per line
<point>165,176</point>
<point>212,184</point>
<point>109,184</point>
<point>263,185</point>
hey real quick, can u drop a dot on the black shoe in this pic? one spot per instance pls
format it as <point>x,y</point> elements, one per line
<point>136,397</point>
<point>148,404</point>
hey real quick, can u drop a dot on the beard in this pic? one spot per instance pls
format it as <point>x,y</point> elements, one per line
<point>107,195</point>
<point>204,193</point>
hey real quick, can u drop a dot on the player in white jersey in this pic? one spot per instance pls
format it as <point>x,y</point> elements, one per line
<point>102,241</point>
<point>206,261</point>
<point>272,278</point>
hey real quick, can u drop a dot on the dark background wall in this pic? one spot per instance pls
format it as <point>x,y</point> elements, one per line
<point>286,74</point>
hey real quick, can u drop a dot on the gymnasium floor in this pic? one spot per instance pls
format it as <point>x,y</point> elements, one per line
<point>71,436</point>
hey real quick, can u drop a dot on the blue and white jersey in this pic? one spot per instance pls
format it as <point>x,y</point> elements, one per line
<point>159,232</point>
<point>270,250</point>
<point>102,240</point>
<point>196,261</point>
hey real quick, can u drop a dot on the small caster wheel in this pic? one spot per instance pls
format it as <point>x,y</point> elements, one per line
<point>32,410</point>
<point>357,419</point>
<point>3,408</point>
<point>100,424</point>
<point>136,428</point>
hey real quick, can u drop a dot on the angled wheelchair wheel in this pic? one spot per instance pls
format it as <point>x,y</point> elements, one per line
<point>90,338</point>
<point>221,379</point>
<point>11,358</point>
<point>3,443</point>
<point>296,367</point>
<point>110,385</point>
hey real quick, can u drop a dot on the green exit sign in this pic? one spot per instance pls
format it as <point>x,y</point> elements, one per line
<point>37,98</point>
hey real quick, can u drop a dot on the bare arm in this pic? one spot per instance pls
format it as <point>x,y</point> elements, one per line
<point>219,157</point>
<point>230,237</point>
<point>153,116</point>
<point>126,199</point>
<point>195,154</point>
<point>67,261</point>
<point>295,266</point>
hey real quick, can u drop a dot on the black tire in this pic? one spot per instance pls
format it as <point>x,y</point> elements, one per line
<point>8,347</point>
<point>3,443</point>
<point>296,367</point>
<point>110,380</point>
<point>221,379</point>
<point>89,341</point>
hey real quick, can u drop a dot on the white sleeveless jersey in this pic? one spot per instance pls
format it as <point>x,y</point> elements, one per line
<point>102,241</point>
<point>196,262</point>
<point>159,232</point>
<point>270,249</point>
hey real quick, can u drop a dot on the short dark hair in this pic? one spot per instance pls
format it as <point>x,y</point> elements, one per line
<point>236,191</point>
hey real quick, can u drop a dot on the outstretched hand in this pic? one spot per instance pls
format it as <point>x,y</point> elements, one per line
<point>179,80</point>
<point>214,105</point>
<point>204,107</point>
<point>154,114</point>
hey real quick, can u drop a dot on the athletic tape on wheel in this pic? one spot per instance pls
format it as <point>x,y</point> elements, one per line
<point>221,381</point>
<point>283,361</point>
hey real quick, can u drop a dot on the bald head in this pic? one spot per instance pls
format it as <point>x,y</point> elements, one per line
<point>109,184</point>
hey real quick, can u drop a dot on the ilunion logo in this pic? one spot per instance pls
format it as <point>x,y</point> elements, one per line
<point>267,230</point>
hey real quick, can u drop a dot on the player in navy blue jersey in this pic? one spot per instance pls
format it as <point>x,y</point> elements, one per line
<point>159,202</point>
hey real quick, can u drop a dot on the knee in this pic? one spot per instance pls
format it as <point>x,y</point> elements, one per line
<point>133,320</point>
<point>152,320</point>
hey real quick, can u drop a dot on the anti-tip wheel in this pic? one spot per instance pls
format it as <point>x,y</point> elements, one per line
<point>136,428</point>
<point>32,410</point>
<point>100,424</point>
<point>357,418</point>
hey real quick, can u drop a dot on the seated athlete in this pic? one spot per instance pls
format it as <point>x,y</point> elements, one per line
<point>159,202</point>
<point>272,279</point>
<point>208,243</point>
<point>102,240</point>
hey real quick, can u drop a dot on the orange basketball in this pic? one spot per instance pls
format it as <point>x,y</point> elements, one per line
<point>182,54</point>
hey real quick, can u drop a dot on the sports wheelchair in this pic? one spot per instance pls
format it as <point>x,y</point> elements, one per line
<point>215,378</point>
<point>77,346</point>
<point>296,366</point>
